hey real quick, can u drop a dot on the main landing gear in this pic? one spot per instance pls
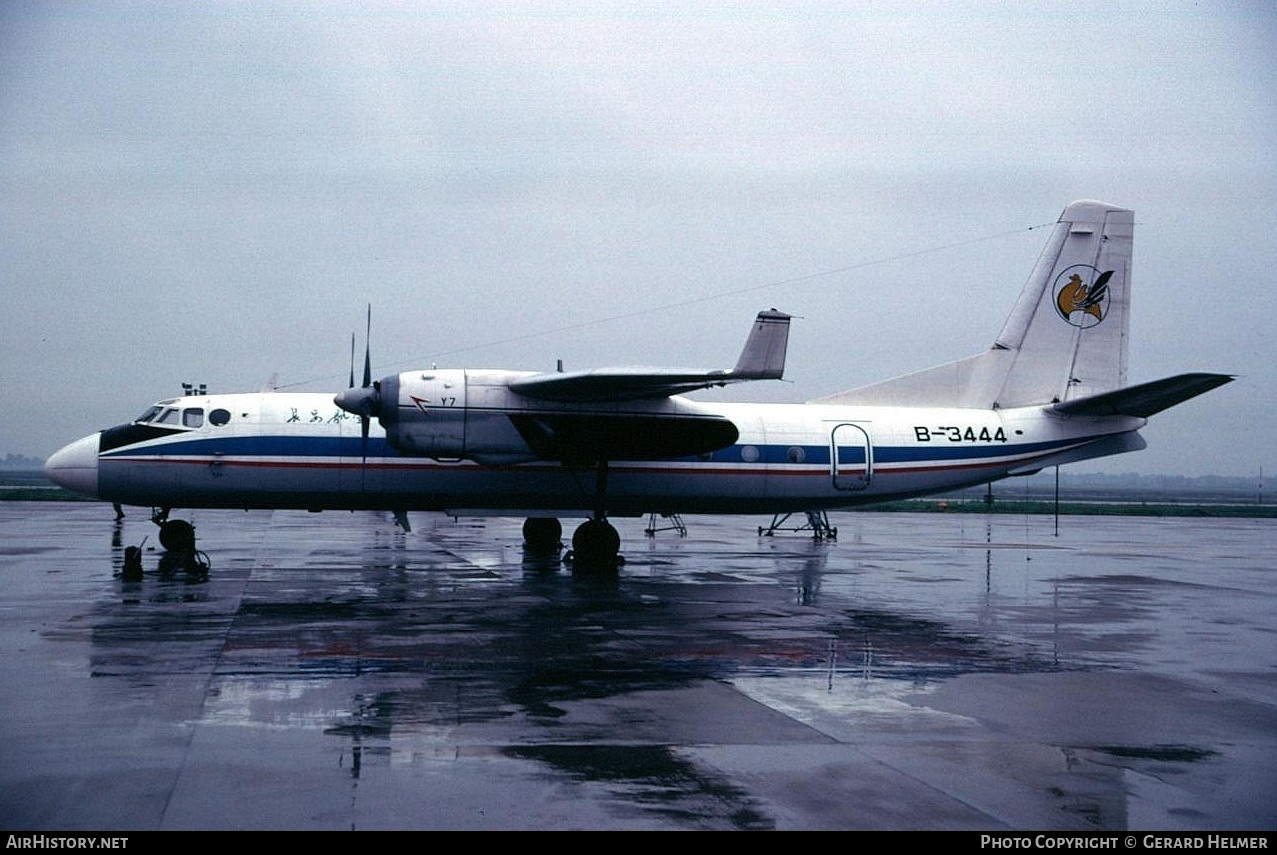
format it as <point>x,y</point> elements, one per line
<point>596,545</point>
<point>542,535</point>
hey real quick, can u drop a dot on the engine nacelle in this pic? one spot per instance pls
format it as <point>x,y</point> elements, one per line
<point>451,414</point>
<point>475,415</point>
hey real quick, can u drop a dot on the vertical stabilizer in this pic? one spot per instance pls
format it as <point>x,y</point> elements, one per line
<point>764,355</point>
<point>1070,328</point>
<point>1065,339</point>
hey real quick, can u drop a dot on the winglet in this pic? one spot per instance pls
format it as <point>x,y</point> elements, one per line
<point>764,355</point>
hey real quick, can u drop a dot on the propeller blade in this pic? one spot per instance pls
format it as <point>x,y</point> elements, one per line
<point>352,361</point>
<point>369,402</point>
<point>367,351</point>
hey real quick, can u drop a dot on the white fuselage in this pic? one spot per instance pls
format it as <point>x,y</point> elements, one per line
<point>1051,389</point>
<point>300,450</point>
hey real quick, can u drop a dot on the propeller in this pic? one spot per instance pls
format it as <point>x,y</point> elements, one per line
<point>363,400</point>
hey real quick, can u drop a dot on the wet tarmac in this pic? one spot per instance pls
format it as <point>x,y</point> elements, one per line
<point>923,671</point>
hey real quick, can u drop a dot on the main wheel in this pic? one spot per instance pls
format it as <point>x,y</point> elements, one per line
<point>542,534</point>
<point>595,544</point>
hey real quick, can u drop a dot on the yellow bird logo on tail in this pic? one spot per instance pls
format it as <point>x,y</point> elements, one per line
<point>1077,296</point>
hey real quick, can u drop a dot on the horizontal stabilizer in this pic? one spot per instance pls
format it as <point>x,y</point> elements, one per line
<point>1146,399</point>
<point>763,358</point>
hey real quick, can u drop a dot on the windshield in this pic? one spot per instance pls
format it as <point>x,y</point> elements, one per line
<point>165,414</point>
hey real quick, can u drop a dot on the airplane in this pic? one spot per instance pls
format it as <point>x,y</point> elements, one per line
<point>625,441</point>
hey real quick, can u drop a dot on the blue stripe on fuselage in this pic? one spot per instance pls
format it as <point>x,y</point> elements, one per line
<point>263,446</point>
<point>376,447</point>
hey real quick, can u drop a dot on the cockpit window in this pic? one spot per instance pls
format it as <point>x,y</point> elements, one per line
<point>193,417</point>
<point>168,417</point>
<point>149,414</point>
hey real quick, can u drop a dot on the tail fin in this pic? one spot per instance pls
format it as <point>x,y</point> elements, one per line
<point>1070,328</point>
<point>764,355</point>
<point>1065,339</point>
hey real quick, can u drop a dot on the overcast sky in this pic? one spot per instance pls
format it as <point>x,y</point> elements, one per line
<point>212,193</point>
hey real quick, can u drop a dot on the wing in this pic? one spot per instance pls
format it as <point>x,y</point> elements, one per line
<point>616,384</point>
<point>763,358</point>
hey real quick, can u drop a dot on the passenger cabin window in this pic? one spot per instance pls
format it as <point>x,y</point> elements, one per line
<point>193,417</point>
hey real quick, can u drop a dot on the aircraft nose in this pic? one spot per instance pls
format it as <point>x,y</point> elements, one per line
<point>75,466</point>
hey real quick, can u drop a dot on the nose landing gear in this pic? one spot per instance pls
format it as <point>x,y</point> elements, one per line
<point>177,536</point>
<point>178,539</point>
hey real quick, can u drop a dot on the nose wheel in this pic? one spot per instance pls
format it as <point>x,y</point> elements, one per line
<point>175,535</point>
<point>178,539</point>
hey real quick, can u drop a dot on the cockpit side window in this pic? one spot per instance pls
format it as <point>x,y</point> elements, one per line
<point>168,417</point>
<point>193,417</point>
<point>149,414</point>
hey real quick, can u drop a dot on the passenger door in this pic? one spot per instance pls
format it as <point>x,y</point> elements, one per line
<point>850,457</point>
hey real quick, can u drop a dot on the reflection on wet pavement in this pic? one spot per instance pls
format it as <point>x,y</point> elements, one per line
<point>964,670</point>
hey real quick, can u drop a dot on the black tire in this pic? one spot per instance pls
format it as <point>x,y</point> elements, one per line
<point>177,536</point>
<point>542,534</point>
<point>595,544</point>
